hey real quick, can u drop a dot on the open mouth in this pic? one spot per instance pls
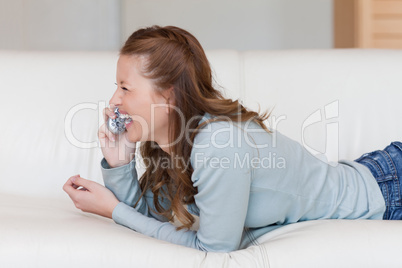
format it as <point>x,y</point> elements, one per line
<point>127,118</point>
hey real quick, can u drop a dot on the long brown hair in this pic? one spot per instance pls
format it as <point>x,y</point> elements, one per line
<point>174,57</point>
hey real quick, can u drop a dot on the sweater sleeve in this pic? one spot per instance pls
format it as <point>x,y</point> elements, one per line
<point>222,198</point>
<point>123,182</point>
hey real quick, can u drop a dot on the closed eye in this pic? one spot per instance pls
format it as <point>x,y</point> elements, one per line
<point>122,87</point>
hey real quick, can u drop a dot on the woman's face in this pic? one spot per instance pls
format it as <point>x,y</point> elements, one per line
<point>135,95</point>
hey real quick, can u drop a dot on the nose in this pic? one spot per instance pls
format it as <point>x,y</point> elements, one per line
<point>116,99</point>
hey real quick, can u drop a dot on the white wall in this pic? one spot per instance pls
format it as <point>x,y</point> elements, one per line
<point>238,24</point>
<point>106,24</point>
<point>60,24</point>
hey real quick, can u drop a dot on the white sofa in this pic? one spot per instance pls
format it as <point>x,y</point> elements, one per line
<point>338,103</point>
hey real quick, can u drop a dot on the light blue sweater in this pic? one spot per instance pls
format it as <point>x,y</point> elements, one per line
<point>245,192</point>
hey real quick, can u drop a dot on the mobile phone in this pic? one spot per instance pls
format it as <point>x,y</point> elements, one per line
<point>116,126</point>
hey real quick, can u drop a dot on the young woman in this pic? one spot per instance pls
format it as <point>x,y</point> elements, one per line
<point>211,157</point>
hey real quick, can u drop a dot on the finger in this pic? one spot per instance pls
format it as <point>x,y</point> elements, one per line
<point>102,139</point>
<point>105,135</point>
<point>72,190</point>
<point>108,112</point>
<point>82,188</point>
<point>77,187</point>
<point>67,187</point>
<point>110,135</point>
<point>83,182</point>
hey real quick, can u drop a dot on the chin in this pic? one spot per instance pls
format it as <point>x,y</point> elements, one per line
<point>132,138</point>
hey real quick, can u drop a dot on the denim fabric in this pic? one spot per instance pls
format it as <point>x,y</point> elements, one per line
<point>386,167</point>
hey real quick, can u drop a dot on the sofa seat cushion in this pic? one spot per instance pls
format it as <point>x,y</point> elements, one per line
<point>44,232</point>
<point>334,244</point>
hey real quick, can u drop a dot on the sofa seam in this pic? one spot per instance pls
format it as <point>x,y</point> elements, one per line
<point>242,76</point>
<point>264,255</point>
<point>252,240</point>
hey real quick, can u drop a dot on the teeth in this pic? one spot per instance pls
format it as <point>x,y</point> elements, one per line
<point>125,116</point>
<point>128,120</point>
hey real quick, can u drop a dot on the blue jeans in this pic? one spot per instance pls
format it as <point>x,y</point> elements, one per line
<point>386,166</point>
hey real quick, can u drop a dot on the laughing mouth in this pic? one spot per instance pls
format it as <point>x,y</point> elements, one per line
<point>127,118</point>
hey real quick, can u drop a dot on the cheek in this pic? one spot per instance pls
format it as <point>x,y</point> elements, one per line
<point>138,130</point>
<point>149,116</point>
<point>149,110</point>
<point>156,118</point>
<point>139,106</point>
<point>141,126</point>
<point>147,124</point>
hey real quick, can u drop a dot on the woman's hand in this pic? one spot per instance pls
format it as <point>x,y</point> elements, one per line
<point>92,198</point>
<point>116,149</point>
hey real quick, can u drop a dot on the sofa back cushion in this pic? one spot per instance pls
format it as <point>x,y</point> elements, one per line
<point>343,102</point>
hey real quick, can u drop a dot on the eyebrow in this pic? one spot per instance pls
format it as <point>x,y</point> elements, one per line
<point>122,82</point>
